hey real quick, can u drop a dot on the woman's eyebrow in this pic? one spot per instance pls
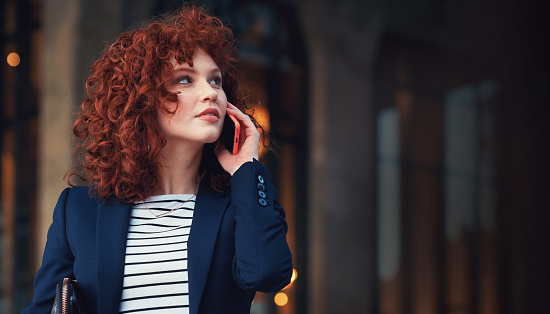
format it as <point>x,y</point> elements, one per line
<point>180,68</point>
<point>184,69</point>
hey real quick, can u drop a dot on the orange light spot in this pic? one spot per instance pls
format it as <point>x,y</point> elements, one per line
<point>294,276</point>
<point>262,116</point>
<point>13,59</point>
<point>281,299</point>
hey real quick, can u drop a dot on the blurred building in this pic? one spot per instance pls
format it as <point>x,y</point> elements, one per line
<point>413,143</point>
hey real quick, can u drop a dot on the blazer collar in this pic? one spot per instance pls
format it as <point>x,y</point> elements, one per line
<point>113,219</point>
<point>207,217</point>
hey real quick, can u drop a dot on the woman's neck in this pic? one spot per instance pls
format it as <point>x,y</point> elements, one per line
<point>179,170</point>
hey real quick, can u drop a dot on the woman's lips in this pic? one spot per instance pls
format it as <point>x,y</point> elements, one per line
<point>210,115</point>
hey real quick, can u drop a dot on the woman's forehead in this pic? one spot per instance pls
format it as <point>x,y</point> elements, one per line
<point>206,61</point>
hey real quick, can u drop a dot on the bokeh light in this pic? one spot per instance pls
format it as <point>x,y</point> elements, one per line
<point>13,59</point>
<point>262,116</point>
<point>281,299</point>
<point>294,276</point>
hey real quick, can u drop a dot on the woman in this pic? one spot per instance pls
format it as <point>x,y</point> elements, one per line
<point>172,221</point>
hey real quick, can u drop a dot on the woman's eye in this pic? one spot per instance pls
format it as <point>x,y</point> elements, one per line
<point>216,81</point>
<point>184,80</point>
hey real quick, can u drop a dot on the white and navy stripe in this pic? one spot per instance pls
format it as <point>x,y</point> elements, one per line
<point>155,269</point>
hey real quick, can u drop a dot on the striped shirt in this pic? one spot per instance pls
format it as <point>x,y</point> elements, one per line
<point>155,269</point>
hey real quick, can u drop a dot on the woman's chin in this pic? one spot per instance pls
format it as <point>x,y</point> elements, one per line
<point>212,139</point>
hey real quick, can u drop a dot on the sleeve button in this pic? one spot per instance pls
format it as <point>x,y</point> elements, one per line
<point>261,187</point>
<point>262,202</point>
<point>260,178</point>
<point>262,194</point>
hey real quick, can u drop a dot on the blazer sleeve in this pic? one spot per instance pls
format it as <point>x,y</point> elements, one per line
<point>263,260</point>
<point>57,261</point>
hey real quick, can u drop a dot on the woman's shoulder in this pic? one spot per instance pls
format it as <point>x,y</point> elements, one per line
<point>81,204</point>
<point>80,194</point>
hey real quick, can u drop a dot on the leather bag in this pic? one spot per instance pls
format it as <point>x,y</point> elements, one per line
<point>66,299</point>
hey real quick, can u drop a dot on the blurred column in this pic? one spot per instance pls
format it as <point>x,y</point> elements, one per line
<point>342,39</point>
<point>19,87</point>
<point>59,79</point>
<point>75,34</point>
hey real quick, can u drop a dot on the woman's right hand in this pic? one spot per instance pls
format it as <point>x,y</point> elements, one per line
<point>249,143</point>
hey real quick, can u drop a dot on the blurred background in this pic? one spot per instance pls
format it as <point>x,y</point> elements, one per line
<point>413,143</point>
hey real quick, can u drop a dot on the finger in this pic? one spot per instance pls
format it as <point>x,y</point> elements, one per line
<point>242,117</point>
<point>237,113</point>
<point>248,129</point>
<point>230,105</point>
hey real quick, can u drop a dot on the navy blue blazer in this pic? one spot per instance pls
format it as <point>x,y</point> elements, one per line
<point>237,246</point>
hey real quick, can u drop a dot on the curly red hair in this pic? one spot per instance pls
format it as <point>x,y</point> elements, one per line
<point>117,125</point>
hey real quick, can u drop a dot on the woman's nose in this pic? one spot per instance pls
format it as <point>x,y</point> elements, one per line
<point>208,92</point>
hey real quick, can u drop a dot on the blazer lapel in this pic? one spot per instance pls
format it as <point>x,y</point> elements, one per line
<point>112,230</point>
<point>207,217</point>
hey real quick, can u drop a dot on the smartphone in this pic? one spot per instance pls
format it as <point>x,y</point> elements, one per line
<point>230,134</point>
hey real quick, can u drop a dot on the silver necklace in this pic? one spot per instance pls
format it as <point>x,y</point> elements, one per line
<point>164,214</point>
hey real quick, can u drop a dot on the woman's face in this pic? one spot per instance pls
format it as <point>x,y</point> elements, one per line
<point>201,102</point>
